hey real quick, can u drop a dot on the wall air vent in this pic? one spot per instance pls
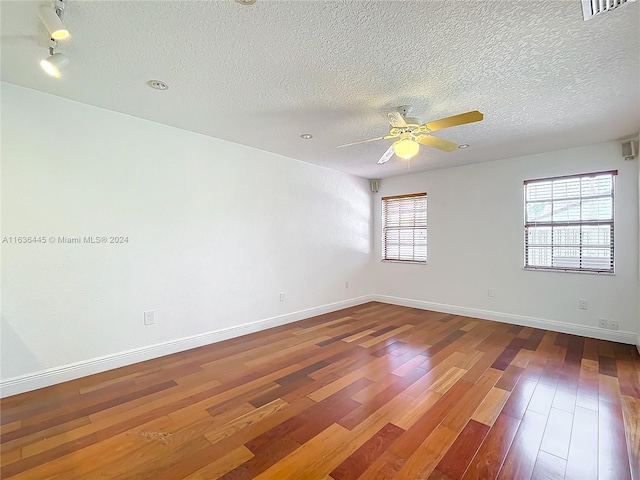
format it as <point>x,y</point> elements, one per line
<point>591,8</point>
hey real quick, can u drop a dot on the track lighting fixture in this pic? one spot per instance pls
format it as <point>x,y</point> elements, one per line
<point>54,63</point>
<point>52,20</point>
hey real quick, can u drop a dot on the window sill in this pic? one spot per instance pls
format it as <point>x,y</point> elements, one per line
<point>407,262</point>
<point>559,270</point>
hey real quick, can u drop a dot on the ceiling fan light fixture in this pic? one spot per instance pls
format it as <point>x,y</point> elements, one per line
<point>54,63</point>
<point>52,22</point>
<point>406,148</point>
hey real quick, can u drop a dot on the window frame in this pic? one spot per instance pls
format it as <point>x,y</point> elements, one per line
<point>418,224</point>
<point>571,223</point>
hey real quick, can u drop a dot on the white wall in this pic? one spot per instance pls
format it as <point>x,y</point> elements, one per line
<point>216,230</point>
<point>475,242</point>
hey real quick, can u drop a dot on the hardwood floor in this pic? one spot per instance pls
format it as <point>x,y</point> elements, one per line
<point>371,392</point>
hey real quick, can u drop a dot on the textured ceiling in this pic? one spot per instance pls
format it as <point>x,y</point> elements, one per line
<point>261,75</point>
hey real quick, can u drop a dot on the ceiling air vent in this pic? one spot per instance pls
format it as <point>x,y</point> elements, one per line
<point>591,8</point>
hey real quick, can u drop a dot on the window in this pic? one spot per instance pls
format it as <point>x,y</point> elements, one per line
<point>569,223</point>
<point>404,228</point>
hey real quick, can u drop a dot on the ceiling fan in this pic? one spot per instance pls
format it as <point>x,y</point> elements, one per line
<point>411,133</point>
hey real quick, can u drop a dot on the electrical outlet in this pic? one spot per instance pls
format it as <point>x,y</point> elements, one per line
<point>613,325</point>
<point>583,304</point>
<point>149,317</point>
<point>602,323</point>
<point>282,296</point>
<point>491,292</point>
<point>346,284</point>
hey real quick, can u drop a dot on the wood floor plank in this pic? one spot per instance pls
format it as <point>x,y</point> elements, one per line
<point>372,404</point>
<point>448,380</point>
<point>588,385</point>
<point>336,386</point>
<point>385,467</point>
<point>613,457</point>
<point>284,352</point>
<point>357,336</point>
<point>361,459</point>
<point>544,393</point>
<point>509,353</point>
<point>469,401</point>
<point>216,434</point>
<point>434,372</point>
<point>627,374</point>
<point>519,399</point>
<point>488,460</point>
<point>426,457</point>
<point>383,337</point>
<point>464,448</point>
<point>374,391</point>
<point>406,445</point>
<point>15,425</point>
<point>320,455</point>
<point>521,359</point>
<point>557,435</point>
<point>548,467</point>
<point>510,377</point>
<point>10,456</point>
<point>582,463</point>
<point>521,459</point>
<point>217,468</point>
<point>262,460</point>
<point>565,397</point>
<point>491,406</point>
<point>609,389</point>
<point>631,415</point>
<point>418,407</point>
<point>607,366</point>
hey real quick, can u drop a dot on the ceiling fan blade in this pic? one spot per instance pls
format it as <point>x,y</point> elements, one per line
<point>436,142</point>
<point>396,119</point>
<point>362,141</point>
<point>367,140</point>
<point>387,155</point>
<point>461,119</point>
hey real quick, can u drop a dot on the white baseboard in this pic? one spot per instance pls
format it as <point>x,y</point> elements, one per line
<point>553,325</point>
<point>44,378</point>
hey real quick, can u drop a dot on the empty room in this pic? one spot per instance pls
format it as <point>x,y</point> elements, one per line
<point>320,240</point>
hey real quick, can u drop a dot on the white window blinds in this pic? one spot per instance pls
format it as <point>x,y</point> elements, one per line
<point>569,223</point>
<point>404,228</point>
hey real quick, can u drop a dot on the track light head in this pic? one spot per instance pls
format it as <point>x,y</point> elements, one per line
<point>52,22</point>
<point>54,63</point>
